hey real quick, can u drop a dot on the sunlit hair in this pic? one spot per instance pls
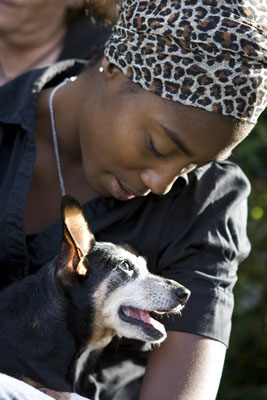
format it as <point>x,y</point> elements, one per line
<point>104,10</point>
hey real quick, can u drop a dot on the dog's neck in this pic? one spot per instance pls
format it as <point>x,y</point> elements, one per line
<point>87,359</point>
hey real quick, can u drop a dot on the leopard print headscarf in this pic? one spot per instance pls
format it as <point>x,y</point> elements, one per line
<point>210,54</point>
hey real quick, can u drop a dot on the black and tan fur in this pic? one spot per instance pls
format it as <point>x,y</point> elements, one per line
<point>54,324</point>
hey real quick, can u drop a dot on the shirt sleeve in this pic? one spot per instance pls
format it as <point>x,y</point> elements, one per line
<point>206,255</point>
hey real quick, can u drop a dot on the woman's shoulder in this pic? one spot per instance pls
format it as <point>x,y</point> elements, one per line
<point>219,169</point>
<point>205,193</point>
<point>214,179</point>
<point>221,178</point>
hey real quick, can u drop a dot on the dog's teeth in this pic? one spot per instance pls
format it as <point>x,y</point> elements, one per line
<point>127,312</point>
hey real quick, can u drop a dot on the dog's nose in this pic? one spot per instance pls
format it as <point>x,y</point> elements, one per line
<point>183,294</point>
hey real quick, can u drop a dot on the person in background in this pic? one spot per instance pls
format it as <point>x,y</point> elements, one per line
<point>143,135</point>
<point>34,33</point>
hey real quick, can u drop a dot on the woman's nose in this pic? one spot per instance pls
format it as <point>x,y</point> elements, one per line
<point>159,182</point>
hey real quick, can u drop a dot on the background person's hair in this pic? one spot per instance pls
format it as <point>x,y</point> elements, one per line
<point>104,10</point>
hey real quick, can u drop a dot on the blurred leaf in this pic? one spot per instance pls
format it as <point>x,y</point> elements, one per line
<point>257,212</point>
<point>245,372</point>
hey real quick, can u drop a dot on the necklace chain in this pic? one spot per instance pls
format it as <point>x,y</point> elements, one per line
<point>54,133</point>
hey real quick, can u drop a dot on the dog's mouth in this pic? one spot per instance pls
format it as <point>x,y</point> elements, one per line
<point>136,316</point>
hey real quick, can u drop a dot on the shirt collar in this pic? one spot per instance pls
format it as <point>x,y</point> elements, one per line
<point>18,98</point>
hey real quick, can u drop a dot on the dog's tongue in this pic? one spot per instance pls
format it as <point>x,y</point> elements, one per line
<point>138,314</point>
<point>144,316</point>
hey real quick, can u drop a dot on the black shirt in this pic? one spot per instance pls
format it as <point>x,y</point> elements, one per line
<point>84,39</point>
<point>195,234</point>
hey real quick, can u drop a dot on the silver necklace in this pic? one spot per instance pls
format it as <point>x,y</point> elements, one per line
<point>54,133</point>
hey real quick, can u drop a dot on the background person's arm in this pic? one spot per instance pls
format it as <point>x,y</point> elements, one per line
<point>184,367</point>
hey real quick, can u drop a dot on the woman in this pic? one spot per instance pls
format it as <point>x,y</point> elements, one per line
<point>35,33</point>
<point>142,136</point>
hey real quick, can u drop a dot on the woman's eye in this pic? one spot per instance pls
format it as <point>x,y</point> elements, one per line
<point>125,265</point>
<point>153,149</point>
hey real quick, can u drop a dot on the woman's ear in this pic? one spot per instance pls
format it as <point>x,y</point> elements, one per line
<point>109,70</point>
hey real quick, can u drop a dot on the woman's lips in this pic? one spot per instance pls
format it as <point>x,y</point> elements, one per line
<point>119,192</point>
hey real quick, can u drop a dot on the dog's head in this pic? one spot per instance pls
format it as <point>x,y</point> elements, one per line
<point>112,284</point>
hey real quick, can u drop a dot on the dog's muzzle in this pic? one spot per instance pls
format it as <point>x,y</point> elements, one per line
<point>153,330</point>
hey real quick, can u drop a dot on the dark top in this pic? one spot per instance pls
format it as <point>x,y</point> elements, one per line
<point>195,234</point>
<point>83,39</point>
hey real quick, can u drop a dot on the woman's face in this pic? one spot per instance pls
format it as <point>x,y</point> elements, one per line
<point>29,15</point>
<point>136,143</point>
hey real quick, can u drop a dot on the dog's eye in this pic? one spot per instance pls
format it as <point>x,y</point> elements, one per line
<point>125,265</point>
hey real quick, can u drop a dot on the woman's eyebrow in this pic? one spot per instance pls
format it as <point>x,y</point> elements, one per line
<point>175,139</point>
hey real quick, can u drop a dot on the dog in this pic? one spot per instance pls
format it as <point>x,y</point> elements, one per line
<point>54,324</point>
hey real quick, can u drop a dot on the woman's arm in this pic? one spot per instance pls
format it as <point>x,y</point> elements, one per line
<point>184,367</point>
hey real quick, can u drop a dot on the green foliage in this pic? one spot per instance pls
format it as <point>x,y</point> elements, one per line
<point>245,373</point>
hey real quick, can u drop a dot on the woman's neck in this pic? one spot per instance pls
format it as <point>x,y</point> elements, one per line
<point>32,51</point>
<point>45,188</point>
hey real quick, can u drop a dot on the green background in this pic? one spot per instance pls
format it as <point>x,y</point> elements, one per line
<point>245,372</point>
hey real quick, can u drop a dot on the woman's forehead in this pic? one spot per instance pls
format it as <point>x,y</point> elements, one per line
<point>190,128</point>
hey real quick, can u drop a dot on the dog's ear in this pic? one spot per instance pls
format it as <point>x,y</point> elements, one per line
<point>77,241</point>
